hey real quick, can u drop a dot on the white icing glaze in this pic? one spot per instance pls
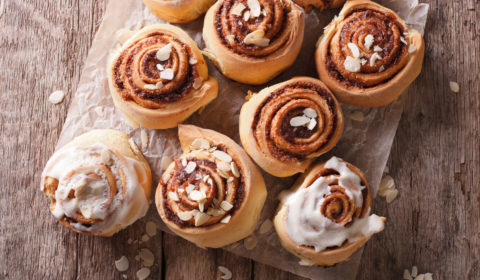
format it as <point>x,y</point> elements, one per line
<point>78,170</point>
<point>305,223</point>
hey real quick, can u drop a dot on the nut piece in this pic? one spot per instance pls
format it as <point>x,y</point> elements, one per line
<point>250,242</point>
<point>454,87</point>
<point>147,257</point>
<point>56,97</point>
<point>357,116</point>
<point>163,54</point>
<point>122,264</point>
<point>143,273</point>
<point>352,64</point>
<point>226,273</point>
<point>256,38</point>
<point>222,156</point>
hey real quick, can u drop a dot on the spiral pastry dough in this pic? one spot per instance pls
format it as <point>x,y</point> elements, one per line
<point>178,11</point>
<point>367,55</point>
<point>213,194</point>
<point>285,126</point>
<point>158,78</point>
<point>252,41</point>
<point>325,217</point>
<point>320,4</point>
<point>98,184</point>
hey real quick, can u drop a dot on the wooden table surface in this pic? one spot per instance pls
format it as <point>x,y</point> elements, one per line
<point>434,223</point>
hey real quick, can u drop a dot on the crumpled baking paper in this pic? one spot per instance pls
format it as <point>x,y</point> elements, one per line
<point>364,143</point>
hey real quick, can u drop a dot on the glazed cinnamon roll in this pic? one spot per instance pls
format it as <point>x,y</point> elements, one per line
<point>367,55</point>
<point>285,126</point>
<point>158,78</point>
<point>99,183</point>
<point>320,4</point>
<point>252,41</point>
<point>325,217</point>
<point>178,11</point>
<point>213,194</point>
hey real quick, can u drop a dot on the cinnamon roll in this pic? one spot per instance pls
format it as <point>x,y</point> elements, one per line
<point>213,194</point>
<point>320,4</point>
<point>325,217</point>
<point>99,183</point>
<point>158,78</point>
<point>178,11</point>
<point>285,126</point>
<point>252,41</point>
<point>368,56</point>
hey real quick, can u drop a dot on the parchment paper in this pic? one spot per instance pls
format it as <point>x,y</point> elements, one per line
<point>365,143</point>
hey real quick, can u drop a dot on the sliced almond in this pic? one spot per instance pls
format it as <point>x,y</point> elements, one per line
<point>374,58</point>
<point>193,61</point>
<point>390,195</point>
<point>368,41</point>
<point>201,218</point>
<point>185,216</point>
<point>197,195</point>
<point>406,275</point>
<point>150,86</point>
<point>163,54</point>
<point>354,49</point>
<point>166,161</point>
<point>151,228</point>
<point>238,9</point>
<point>299,121</point>
<point>184,162</point>
<point>190,188</point>
<point>454,87</point>
<point>414,271</point>
<point>266,226</point>
<point>167,74</point>
<point>305,262</point>
<point>144,139</point>
<point>246,16</point>
<point>122,264</point>
<point>223,166</point>
<point>311,113</point>
<point>256,38</point>
<point>234,168</point>
<point>226,219</point>
<point>56,97</point>
<point>254,7</point>
<point>143,273</point>
<point>226,273</point>
<point>250,242</point>
<point>377,49</point>
<point>357,116</point>
<point>352,64</point>
<point>147,257</point>
<point>173,196</point>
<point>221,155</point>
<point>106,156</point>
<point>312,124</point>
<point>225,205</point>
<point>190,167</point>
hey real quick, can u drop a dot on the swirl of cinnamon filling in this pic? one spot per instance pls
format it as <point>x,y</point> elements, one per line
<point>368,53</point>
<point>263,34</point>
<point>213,194</point>
<point>289,124</point>
<point>201,190</point>
<point>160,74</point>
<point>325,217</point>
<point>96,189</point>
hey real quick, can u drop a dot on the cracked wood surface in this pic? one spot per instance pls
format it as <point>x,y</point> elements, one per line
<point>434,223</point>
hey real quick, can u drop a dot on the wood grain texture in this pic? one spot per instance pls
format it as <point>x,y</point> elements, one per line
<point>435,160</point>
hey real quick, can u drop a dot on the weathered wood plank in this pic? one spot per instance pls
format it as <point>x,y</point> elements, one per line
<point>433,224</point>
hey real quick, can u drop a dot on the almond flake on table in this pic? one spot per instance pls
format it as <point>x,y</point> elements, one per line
<point>166,160</point>
<point>238,9</point>
<point>256,38</point>
<point>185,216</point>
<point>368,41</point>
<point>122,264</point>
<point>352,64</point>
<point>390,195</point>
<point>143,273</point>
<point>99,111</point>
<point>357,116</point>
<point>266,226</point>
<point>145,238</point>
<point>406,275</point>
<point>305,262</point>
<point>144,139</point>
<point>167,74</point>
<point>354,49</point>
<point>226,273</point>
<point>151,228</point>
<point>147,257</point>
<point>454,87</point>
<point>56,97</point>
<point>250,242</point>
<point>163,54</point>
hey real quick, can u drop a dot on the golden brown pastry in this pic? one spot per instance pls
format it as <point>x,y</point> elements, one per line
<point>213,194</point>
<point>320,4</point>
<point>325,217</point>
<point>285,126</point>
<point>99,183</point>
<point>178,11</point>
<point>158,78</point>
<point>252,41</point>
<point>367,55</point>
